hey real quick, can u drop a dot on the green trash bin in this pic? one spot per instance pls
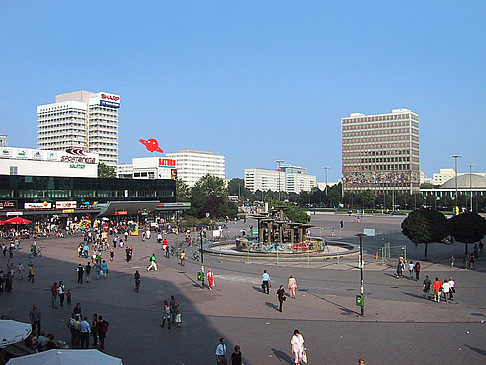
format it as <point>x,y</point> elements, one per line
<point>200,276</point>
<point>360,300</point>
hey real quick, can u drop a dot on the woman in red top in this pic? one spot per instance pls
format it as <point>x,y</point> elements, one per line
<point>210,279</point>
<point>437,285</point>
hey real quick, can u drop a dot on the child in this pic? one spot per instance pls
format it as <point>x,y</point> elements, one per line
<point>68,297</point>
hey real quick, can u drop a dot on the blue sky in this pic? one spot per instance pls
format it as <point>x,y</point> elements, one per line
<point>253,80</point>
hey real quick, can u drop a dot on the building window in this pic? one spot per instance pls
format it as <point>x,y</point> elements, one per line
<point>14,170</point>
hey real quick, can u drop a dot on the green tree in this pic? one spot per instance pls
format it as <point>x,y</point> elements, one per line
<point>183,193</point>
<point>236,186</point>
<point>424,226</point>
<point>467,228</point>
<point>106,171</point>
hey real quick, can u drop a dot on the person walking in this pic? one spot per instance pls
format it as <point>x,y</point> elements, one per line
<point>102,328</point>
<point>21,270</point>
<point>452,289</point>
<point>112,255</point>
<point>266,282</point>
<point>410,269</point>
<point>165,247</point>
<point>136,277</point>
<point>399,270</point>
<point>85,330</point>
<point>437,285</point>
<point>210,279</point>
<point>297,347</point>
<point>30,277</point>
<point>80,271</point>
<point>445,289</point>
<point>178,316</point>
<point>236,357</point>
<point>172,305</point>
<point>87,271</point>
<point>153,263</point>
<point>221,353</point>
<point>54,295</point>
<point>166,314</point>
<point>417,269</point>
<point>127,254</point>
<point>183,258</point>
<point>281,296</point>
<point>292,286</point>
<point>426,288</point>
<point>104,268</point>
<point>35,319</point>
<point>60,293</point>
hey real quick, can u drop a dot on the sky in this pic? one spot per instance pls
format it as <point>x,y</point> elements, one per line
<point>256,81</point>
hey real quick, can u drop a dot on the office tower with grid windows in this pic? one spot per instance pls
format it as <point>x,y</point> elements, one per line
<point>82,120</point>
<point>381,152</point>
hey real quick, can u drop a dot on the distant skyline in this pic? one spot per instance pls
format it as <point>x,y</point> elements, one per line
<point>254,81</point>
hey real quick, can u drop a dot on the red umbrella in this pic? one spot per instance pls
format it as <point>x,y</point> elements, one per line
<point>17,220</point>
<point>2,223</point>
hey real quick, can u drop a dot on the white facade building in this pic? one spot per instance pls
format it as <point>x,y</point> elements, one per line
<point>32,162</point>
<point>193,164</point>
<point>148,168</point>
<point>3,140</point>
<point>290,179</point>
<point>445,175</point>
<point>81,119</point>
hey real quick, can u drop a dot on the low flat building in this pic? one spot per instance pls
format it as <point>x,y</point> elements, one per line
<point>72,162</point>
<point>148,168</point>
<point>289,179</point>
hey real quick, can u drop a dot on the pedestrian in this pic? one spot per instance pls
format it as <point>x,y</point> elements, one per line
<point>297,347</point>
<point>2,281</point>
<point>265,282</point>
<point>85,330</point>
<point>87,271</point>
<point>94,329</point>
<point>452,289</point>
<point>437,285</point>
<point>178,316</point>
<point>68,297</point>
<point>221,353</point>
<point>11,250</point>
<point>35,319</point>
<point>4,249</point>
<point>30,277</point>
<point>77,310</point>
<point>445,289</point>
<point>183,258</point>
<point>172,305</point>
<point>97,268</point>
<point>54,295</point>
<point>102,327</point>
<point>452,260</point>
<point>399,270</point>
<point>112,255</point>
<point>410,269</point>
<point>165,247</point>
<point>104,268</point>
<point>426,288</point>
<point>21,270</point>
<point>80,271</point>
<point>210,279</point>
<point>417,269</point>
<point>281,296</point>
<point>166,314</point>
<point>127,253</point>
<point>236,357</point>
<point>472,261</point>
<point>60,293</point>
<point>153,263</point>
<point>361,361</point>
<point>31,257</point>
<point>292,286</point>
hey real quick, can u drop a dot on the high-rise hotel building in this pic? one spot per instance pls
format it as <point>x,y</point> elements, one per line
<point>81,119</point>
<point>381,152</point>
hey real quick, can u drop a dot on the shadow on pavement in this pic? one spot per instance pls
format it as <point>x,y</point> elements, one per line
<point>475,349</point>
<point>282,356</point>
<point>271,305</point>
<point>344,309</point>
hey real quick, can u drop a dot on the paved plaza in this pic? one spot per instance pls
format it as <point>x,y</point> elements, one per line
<point>399,326</point>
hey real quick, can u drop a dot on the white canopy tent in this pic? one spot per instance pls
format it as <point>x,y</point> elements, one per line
<point>67,357</point>
<point>13,332</point>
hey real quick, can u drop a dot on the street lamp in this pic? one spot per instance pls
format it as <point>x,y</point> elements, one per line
<point>202,256</point>
<point>279,162</point>
<point>471,165</point>
<point>361,288</point>
<point>455,179</point>
<point>325,169</point>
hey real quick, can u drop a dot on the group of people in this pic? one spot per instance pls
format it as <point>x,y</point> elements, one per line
<point>280,294</point>
<point>171,312</point>
<point>445,289</point>
<point>411,266</point>
<point>81,329</point>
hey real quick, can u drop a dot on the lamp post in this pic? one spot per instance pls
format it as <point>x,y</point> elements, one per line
<point>279,162</point>
<point>471,165</point>
<point>325,169</point>
<point>455,178</point>
<point>202,257</point>
<point>361,288</point>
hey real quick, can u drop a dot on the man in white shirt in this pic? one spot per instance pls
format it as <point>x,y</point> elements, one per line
<point>85,330</point>
<point>266,282</point>
<point>60,292</point>
<point>445,289</point>
<point>221,353</point>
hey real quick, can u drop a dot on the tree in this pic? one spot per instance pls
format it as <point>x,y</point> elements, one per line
<point>425,226</point>
<point>467,228</point>
<point>106,171</point>
<point>183,193</point>
<point>236,186</point>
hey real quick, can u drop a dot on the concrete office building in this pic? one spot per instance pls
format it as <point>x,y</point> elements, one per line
<point>381,152</point>
<point>193,164</point>
<point>81,120</point>
<point>289,179</point>
<point>3,140</point>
